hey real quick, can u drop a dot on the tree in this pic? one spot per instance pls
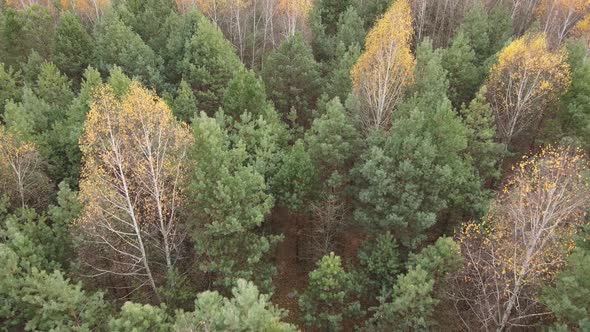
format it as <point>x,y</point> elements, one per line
<point>412,173</point>
<point>296,178</point>
<point>523,240</point>
<point>22,174</point>
<point>328,297</point>
<point>38,300</point>
<point>527,78</point>
<point>379,264</point>
<point>9,89</point>
<point>184,105</point>
<point>247,310</point>
<point>228,202</point>
<point>571,120</point>
<point>559,17</point>
<point>485,152</point>
<point>208,63</point>
<point>295,14</point>
<point>73,46</point>
<point>245,93</point>
<point>23,31</point>
<point>417,292</point>
<point>134,157</point>
<point>61,140</point>
<point>137,318</point>
<point>569,297</point>
<point>465,76</point>
<point>384,70</point>
<point>117,44</point>
<point>55,89</point>
<point>293,79</point>
<point>438,20</point>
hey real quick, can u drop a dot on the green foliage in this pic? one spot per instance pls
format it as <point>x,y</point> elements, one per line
<point>328,298</point>
<point>294,182</point>
<point>438,259</point>
<point>30,117</point>
<point>136,317</point>
<point>417,169</point>
<point>481,132</point>
<point>247,310</point>
<point>414,296</point>
<point>9,89</point>
<point>55,89</point>
<point>118,81</point>
<point>486,32</point>
<point>118,45</point>
<point>379,264</point>
<point>229,202</point>
<point>245,93</point>
<point>41,301</point>
<point>73,47</point>
<point>339,83</point>
<point>147,18</point>
<point>572,121</point>
<point>184,105</point>
<point>569,298</point>
<point>209,63</point>
<point>22,31</point>
<point>62,139</point>
<point>465,76</point>
<point>264,137</point>
<point>332,142</point>
<point>411,307</point>
<point>293,80</point>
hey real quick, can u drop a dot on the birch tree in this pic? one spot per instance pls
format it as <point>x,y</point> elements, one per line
<point>527,78</point>
<point>134,165</point>
<point>523,241</point>
<point>385,69</point>
<point>559,17</point>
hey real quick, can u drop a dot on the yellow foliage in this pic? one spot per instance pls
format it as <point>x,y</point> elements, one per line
<point>385,69</point>
<point>527,78</point>
<point>134,166</point>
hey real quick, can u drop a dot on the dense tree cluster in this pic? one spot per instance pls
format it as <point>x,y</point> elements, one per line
<point>284,165</point>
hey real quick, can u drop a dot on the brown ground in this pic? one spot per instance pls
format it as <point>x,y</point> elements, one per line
<point>291,270</point>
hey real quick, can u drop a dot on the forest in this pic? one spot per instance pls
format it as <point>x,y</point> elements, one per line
<point>294,165</point>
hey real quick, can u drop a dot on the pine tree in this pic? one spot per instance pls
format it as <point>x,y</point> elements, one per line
<point>73,47</point>
<point>293,80</point>
<point>228,202</point>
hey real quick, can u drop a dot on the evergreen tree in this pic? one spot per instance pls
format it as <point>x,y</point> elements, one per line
<point>184,105</point>
<point>23,31</point>
<point>416,293</point>
<point>147,18</point>
<point>332,143</point>
<point>228,201</point>
<point>247,310</point>
<point>41,301</point>
<point>465,75</point>
<point>293,79</point>
<point>572,121</point>
<point>209,62</point>
<point>135,317</point>
<point>481,132</point>
<point>295,180</point>
<point>55,89</point>
<point>569,298</point>
<point>73,47</point>
<point>117,44</point>
<point>417,169</point>
<point>245,93</point>
<point>379,264</point>
<point>9,89</point>
<point>328,299</point>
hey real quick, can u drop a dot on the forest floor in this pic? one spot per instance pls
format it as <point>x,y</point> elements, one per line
<point>292,271</point>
